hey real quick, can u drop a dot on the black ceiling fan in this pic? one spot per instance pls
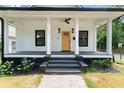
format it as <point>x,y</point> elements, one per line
<point>67,20</point>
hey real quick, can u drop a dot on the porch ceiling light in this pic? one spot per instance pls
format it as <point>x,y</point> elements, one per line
<point>59,30</point>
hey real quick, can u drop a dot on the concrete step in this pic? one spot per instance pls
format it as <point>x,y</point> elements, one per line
<point>74,61</point>
<point>62,70</point>
<point>63,66</point>
<point>62,58</point>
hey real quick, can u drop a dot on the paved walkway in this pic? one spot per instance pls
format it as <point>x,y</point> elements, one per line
<point>62,81</point>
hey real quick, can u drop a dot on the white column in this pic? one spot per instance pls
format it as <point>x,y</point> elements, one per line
<point>48,44</point>
<point>109,36</point>
<point>77,36</point>
<point>6,37</point>
<point>95,38</point>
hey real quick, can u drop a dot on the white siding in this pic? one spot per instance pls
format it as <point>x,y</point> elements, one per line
<point>87,24</point>
<point>26,33</point>
<point>56,37</point>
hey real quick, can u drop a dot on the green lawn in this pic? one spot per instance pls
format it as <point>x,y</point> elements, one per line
<point>24,81</point>
<point>0,62</point>
<point>104,80</point>
<point>119,64</point>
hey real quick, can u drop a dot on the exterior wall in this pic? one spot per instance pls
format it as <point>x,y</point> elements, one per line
<point>56,41</point>
<point>25,40</point>
<point>26,34</point>
<point>88,24</point>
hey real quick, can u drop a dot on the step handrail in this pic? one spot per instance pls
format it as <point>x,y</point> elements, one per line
<point>44,65</point>
<point>83,65</point>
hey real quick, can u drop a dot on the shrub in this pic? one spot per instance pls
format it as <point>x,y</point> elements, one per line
<point>6,68</point>
<point>96,64</point>
<point>26,65</point>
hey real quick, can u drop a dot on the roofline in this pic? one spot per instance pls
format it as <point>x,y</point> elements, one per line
<point>59,9</point>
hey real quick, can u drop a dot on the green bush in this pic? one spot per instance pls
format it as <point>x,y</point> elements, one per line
<point>6,68</point>
<point>25,65</point>
<point>104,63</point>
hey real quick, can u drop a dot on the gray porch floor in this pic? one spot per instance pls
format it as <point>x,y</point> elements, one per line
<point>55,53</point>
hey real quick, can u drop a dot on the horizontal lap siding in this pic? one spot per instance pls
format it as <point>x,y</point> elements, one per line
<point>88,25</point>
<point>25,36</point>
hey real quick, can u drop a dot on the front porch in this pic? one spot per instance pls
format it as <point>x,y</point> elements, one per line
<point>41,34</point>
<point>42,54</point>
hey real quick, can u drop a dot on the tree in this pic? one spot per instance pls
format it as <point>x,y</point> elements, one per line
<point>101,38</point>
<point>117,34</point>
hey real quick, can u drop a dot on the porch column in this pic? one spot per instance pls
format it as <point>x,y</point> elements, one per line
<point>95,38</point>
<point>77,36</point>
<point>109,36</point>
<point>48,35</point>
<point>6,37</point>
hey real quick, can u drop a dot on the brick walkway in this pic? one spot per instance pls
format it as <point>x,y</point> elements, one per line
<point>62,81</point>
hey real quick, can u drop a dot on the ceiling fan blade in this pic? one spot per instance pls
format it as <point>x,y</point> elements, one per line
<point>67,22</point>
<point>69,19</point>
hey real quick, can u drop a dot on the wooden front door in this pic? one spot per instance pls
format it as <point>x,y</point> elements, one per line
<point>66,41</point>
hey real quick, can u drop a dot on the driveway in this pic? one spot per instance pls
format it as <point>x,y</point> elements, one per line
<point>117,56</point>
<point>62,81</point>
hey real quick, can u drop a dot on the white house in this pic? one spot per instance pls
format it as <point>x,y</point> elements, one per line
<point>57,31</point>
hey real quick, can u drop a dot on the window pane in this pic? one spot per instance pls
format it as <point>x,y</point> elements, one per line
<point>40,42</point>
<point>83,38</point>
<point>82,42</point>
<point>80,34</point>
<point>13,46</point>
<point>40,34</point>
<point>40,37</point>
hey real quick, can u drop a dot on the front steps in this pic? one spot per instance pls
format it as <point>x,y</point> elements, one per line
<point>62,65</point>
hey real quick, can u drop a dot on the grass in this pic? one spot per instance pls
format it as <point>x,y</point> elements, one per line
<point>119,64</point>
<point>0,62</point>
<point>104,80</point>
<point>24,81</point>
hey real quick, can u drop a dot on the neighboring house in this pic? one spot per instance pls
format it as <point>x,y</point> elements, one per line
<point>12,38</point>
<point>57,31</point>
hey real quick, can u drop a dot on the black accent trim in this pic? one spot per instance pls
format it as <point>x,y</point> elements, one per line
<point>59,9</point>
<point>2,39</point>
<point>86,45</point>
<point>40,38</point>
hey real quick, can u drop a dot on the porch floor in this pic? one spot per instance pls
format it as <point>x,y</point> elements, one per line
<point>41,54</point>
<point>55,53</point>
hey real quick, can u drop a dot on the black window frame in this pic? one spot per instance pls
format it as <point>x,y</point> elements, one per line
<point>83,31</point>
<point>36,39</point>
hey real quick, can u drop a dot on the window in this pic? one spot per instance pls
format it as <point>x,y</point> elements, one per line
<point>40,37</point>
<point>83,38</point>
<point>13,46</point>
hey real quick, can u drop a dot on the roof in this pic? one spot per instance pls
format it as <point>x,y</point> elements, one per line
<point>59,9</point>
